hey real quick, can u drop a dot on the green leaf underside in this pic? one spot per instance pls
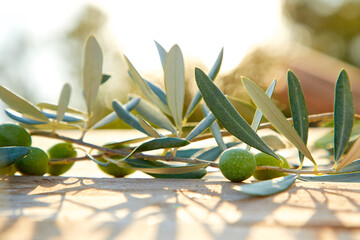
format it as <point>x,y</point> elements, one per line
<point>275,116</point>
<point>175,83</point>
<point>159,143</point>
<point>92,73</point>
<point>155,167</point>
<point>153,115</point>
<point>148,128</point>
<point>63,101</point>
<point>51,125</point>
<point>215,129</point>
<point>227,114</point>
<point>213,153</point>
<point>352,167</point>
<point>111,117</point>
<point>54,107</point>
<point>351,156</point>
<point>258,114</point>
<point>146,90</point>
<point>127,117</point>
<point>269,187</point>
<point>343,177</point>
<point>298,108</point>
<point>202,126</point>
<point>162,53</point>
<point>343,114</point>
<point>212,75</point>
<point>21,105</point>
<point>9,155</point>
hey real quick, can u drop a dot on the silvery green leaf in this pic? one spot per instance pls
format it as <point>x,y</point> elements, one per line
<point>65,118</point>
<point>212,75</point>
<point>213,153</point>
<point>202,126</point>
<point>20,118</point>
<point>343,114</point>
<point>63,101</point>
<point>146,90</point>
<point>21,105</point>
<point>343,177</point>
<point>54,107</point>
<point>153,115</point>
<point>92,72</point>
<point>175,83</point>
<point>298,108</point>
<point>104,164</point>
<point>258,114</point>
<point>155,168</point>
<point>111,117</point>
<point>127,117</point>
<point>159,143</point>
<point>215,129</point>
<point>268,187</point>
<point>275,116</point>
<point>9,155</point>
<point>162,53</point>
<point>352,167</point>
<point>158,91</point>
<point>227,115</point>
<point>148,128</point>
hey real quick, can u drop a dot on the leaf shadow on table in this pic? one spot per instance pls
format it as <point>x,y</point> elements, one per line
<point>109,208</point>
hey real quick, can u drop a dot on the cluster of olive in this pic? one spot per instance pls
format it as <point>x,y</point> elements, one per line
<point>36,163</point>
<point>237,164</point>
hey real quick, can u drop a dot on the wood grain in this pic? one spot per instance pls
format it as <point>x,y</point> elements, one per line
<point>105,208</point>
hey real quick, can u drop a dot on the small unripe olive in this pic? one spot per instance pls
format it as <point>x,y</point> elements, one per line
<point>61,150</point>
<point>237,164</point>
<point>36,163</point>
<point>263,159</point>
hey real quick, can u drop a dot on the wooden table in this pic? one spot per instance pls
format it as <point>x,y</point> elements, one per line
<point>143,208</point>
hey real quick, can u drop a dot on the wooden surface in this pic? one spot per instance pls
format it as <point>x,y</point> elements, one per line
<point>104,208</point>
<point>86,204</point>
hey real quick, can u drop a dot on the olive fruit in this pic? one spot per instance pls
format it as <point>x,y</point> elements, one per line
<point>14,135</point>
<point>237,164</point>
<point>61,150</point>
<point>113,169</point>
<point>263,159</point>
<point>36,163</point>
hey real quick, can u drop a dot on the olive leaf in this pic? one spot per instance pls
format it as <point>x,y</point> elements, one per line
<point>227,114</point>
<point>92,72</point>
<point>201,126</point>
<point>343,114</point>
<point>267,188</point>
<point>9,155</point>
<point>351,156</point>
<point>148,128</point>
<point>105,78</point>
<point>158,91</point>
<point>212,75</point>
<point>258,114</point>
<point>275,116</point>
<point>54,107</point>
<point>215,129</point>
<point>146,90</point>
<point>63,101</point>
<point>343,177</point>
<point>153,167</point>
<point>127,117</point>
<point>298,108</point>
<point>175,83</point>
<point>162,53</point>
<point>21,105</point>
<point>111,117</point>
<point>153,115</point>
<point>158,143</point>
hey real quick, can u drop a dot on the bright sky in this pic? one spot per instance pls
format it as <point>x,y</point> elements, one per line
<point>201,28</point>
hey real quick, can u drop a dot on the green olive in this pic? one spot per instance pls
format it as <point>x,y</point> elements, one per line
<point>61,150</point>
<point>237,164</point>
<point>36,163</point>
<point>263,159</point>
<point>14,135</point>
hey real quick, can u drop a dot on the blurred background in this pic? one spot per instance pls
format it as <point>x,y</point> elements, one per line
<point>42,43</point>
